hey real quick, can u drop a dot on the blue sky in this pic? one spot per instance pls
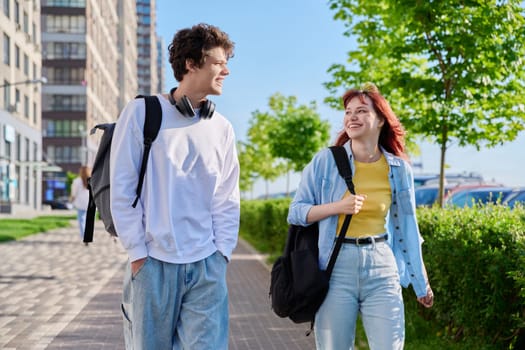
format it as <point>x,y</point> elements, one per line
<point>286,46</point>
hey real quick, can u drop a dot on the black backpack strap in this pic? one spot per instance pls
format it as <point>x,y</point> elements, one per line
<point>152,123</point>
<point>89,227</point>
<point>343,166</point>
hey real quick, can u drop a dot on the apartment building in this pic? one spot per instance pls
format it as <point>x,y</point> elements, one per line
<point>162,54</point>
<point>127,41</point>
<point>89,59</point>
<point>147,48</point>
<point>20,106</point>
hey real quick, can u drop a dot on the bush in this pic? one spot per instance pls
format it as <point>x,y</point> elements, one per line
<point>475,259</point>
<point>263,224</point>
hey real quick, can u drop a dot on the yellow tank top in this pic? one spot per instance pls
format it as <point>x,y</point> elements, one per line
<point>370,179</point>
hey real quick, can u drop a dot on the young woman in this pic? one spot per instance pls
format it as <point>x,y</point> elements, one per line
<point>382,249</point>
<point>80,197</point>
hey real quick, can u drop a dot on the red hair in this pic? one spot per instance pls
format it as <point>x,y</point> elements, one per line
<point>392,135</point>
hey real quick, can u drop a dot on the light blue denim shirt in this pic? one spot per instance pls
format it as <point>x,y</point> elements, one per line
<point>321,184</point>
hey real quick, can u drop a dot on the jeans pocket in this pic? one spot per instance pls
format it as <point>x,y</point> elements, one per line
<point>134,276</point>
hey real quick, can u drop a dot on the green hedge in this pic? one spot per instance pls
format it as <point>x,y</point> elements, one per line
<point>476,262</point>
<point>263,224</point>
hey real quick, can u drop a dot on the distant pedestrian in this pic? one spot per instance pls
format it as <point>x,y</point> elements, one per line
<point>180,236</point>
<point>382,247</point>
<point>79,197</point>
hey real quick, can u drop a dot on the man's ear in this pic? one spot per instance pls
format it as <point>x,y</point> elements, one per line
<point>190,65</point>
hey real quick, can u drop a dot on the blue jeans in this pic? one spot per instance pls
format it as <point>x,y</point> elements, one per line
<point>81,217</point>
<point>176,306</point>
<point>365,280</point>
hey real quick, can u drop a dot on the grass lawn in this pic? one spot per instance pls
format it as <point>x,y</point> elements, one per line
<point>13,229</point>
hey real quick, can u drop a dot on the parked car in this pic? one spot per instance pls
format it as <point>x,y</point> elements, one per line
<point>427,195</point>
<point>515,197</point>
<point>450,179</point>
<point>478,196</point>
<point>61,203</point>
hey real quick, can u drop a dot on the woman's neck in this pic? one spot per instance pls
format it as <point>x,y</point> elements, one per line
<point>365,152</point>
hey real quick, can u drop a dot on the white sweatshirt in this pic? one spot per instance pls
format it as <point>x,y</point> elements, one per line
<point>190,202</point>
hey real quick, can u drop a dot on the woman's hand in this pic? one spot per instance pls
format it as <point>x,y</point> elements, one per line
<point>428,300</point>
<point>352,204</point>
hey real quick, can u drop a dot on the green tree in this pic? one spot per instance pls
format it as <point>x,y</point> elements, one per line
<point>247,161</point>
<point>299,132</point>
<point>452,70</point>
<point>264,164</point>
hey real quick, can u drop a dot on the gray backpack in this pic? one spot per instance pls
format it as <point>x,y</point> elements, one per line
<point>99,184</point>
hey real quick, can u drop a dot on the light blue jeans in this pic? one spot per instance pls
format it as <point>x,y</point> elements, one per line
<point>176,306</point>
<point>81,217</point>
<point>365,281</point>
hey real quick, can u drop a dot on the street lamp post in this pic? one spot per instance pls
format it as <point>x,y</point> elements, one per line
<point>42,80</point>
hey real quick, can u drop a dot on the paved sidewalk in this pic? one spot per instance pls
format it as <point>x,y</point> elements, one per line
<point>56,293</point>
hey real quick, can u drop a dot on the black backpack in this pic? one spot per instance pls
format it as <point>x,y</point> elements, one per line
<point>298,286</point>
<point>98,183</point>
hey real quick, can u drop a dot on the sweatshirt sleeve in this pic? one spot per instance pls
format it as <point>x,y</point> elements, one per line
<point>226,201</point>
<point>125,159</point>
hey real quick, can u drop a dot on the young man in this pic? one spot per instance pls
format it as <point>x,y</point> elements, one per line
<point>184,228</point>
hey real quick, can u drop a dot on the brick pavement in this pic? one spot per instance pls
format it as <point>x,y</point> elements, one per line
<point>55,293</point>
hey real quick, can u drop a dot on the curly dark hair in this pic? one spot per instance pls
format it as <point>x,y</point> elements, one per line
<point>193,43</point>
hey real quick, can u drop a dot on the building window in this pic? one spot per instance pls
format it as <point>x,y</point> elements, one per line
<point>18,146</point>
<point>35,152</point>
<point>7,149</point>
<point>7,50</point>
<point>7,94</point>
<point>25,23</point>
<point>17,179</point>
<point>63,128</point>
<point>26,65</point>
<point>63,154</point>
<point>26,107</point>
<point>68,103</point>
<point>35,114</point>
<point>7,8</point>
<point>17,12</point>
<point>65,76</point>
<point>9,138</point>
<point>26,185</point>
<point>27,149</point>
<point>66,3</point>
<point>17,56</point>
<point>65,24</point>
<point>54,50</point>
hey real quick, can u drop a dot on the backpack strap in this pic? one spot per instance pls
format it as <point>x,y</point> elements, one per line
<point>343,166</point>
<point>152,123</point>
<point>89,227</point>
